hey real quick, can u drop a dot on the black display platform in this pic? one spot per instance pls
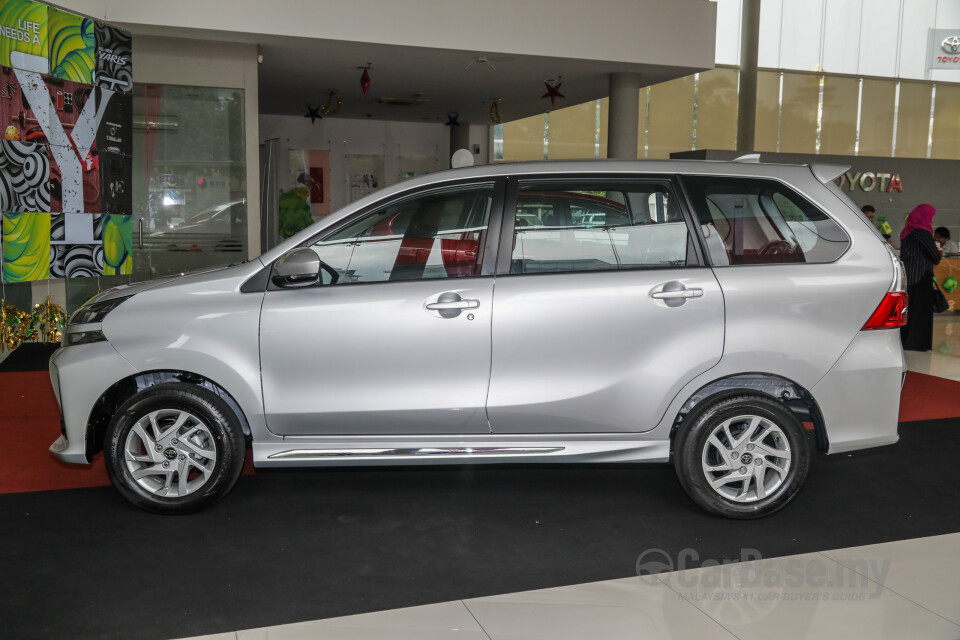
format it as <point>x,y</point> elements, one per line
<point>289,546</point>
<point>31,356</point>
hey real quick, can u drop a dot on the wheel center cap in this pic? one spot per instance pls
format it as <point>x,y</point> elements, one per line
<point>169,453</point>
<point>746,458</point>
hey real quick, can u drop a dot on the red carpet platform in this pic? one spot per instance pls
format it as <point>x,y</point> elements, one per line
<point>29,423</point>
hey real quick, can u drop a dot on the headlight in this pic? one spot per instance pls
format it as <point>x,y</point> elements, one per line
<point>82,337</point>
<point>97,311</point>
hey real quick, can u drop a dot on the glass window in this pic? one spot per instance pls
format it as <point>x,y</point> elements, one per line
<point>435,235</point>
<point>590,227</point>
<point>751,221</point>
<point>190,192</point>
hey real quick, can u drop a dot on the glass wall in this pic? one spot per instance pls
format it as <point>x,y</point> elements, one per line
<point>189,192</point>
<point>190,209</point>
<point>796,113</point>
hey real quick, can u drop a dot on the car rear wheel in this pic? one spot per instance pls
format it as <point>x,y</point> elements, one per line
<point>174,448</point>
<point>742,456</point>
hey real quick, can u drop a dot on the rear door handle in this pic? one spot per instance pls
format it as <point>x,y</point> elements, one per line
<point>454,304</point>
<point>449,304</point>
<point>682,293</point>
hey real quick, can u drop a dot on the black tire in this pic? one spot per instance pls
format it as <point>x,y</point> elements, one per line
<point>223,435</point>
<point>692,439</point>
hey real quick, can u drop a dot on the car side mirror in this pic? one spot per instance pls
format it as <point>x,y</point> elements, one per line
<point>299,268</point>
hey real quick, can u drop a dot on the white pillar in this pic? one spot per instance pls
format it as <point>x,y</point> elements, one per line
<point>623,122</point>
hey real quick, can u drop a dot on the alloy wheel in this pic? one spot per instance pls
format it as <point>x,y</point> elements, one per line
<point>746,458</point>
<point>170,453</point>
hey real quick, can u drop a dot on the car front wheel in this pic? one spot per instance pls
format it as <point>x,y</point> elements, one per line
<point>742,456</point>
<point>174,448</point>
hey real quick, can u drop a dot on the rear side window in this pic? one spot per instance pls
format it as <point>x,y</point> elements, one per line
<point>597,226</point>
<point>757,221</point>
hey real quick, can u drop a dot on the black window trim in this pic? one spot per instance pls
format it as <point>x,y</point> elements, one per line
<point>668,179</point>
<point>682,179</point>
<point>489,258</point>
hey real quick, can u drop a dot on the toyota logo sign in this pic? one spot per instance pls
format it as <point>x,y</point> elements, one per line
<point>951,44</point>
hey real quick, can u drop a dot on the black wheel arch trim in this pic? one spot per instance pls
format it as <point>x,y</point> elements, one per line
<point>794,396</point>
<point>110,400</point>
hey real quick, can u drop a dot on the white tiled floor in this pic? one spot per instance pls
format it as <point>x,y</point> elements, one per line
<point>907,589</point>
<point>944,360</point>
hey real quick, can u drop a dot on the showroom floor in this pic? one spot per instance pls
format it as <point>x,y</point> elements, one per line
<point>904,589</point>
<point>293,546</point>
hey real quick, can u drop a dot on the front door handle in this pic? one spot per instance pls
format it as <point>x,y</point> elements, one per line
<point>450,304</point>
<point>683,293</point>
<point>675,293</point>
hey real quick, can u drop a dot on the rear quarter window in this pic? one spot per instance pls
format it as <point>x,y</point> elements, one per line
<point>760,221</point>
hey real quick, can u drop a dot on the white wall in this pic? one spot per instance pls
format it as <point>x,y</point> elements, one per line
<point>342,136</point>
<point>630,31</point>
<point>885,38</point>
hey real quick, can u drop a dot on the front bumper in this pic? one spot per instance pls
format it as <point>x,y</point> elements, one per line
<point>80,375</point>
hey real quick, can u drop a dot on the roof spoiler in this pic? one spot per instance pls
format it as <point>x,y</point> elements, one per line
<point>828,172</point>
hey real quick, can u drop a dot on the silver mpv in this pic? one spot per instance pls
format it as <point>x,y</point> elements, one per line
<point>729,317</point>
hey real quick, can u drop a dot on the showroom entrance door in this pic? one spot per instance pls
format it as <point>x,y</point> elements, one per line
<point>398,342</point>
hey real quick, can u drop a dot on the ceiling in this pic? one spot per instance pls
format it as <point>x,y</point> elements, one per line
<point>298,71</point>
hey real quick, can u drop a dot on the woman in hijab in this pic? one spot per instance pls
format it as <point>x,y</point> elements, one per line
<point>919,254</point>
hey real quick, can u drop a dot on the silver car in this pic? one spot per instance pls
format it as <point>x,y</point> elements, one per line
<point>730,317</point>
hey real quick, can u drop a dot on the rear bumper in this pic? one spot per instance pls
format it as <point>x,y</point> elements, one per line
<point>860,396</point>
<point>80,374</point>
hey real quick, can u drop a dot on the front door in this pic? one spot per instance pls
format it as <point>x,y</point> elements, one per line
<point>604,310</point>
<point>400,342</point>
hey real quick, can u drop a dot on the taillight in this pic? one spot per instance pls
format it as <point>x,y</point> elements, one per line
<point>891,312</point>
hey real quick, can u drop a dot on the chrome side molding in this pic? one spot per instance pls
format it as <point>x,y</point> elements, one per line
<point>308,454</point>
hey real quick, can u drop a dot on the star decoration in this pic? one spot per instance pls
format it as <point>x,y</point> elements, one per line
<point>313,113</point>
<point>553,92</point>
<point>452,117</point>
<point>365,81</point>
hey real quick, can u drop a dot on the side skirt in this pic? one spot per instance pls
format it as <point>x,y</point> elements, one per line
<point>303,452</point>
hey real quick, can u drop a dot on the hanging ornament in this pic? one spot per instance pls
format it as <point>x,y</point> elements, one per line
<point>452,117</point>
<point>313,113</point>
<point>553,92</point>
<point>494,112</point>
<point>365,78</point>
<point>329,110</point>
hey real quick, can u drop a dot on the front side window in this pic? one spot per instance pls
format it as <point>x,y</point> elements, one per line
<point>436,235</point>
<point>756,221</point>
<point>594,226</point>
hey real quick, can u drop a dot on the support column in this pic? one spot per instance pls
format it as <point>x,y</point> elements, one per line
<point>747,100</point>
<point>459,139</point>
<point>623,122</point>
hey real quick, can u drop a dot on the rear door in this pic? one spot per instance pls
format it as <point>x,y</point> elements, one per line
<point>603,306</point>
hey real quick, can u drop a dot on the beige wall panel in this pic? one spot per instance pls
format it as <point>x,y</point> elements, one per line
<point>876,117</point>
<point>572,132</point>
<point>838,133</point>
<point>913,119</point>
<point>671,117</point>
<point>768,91</point>
<point>717,109</point>
<point>798,118</point>
<point>523,139</point>
<point>946,122</point>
